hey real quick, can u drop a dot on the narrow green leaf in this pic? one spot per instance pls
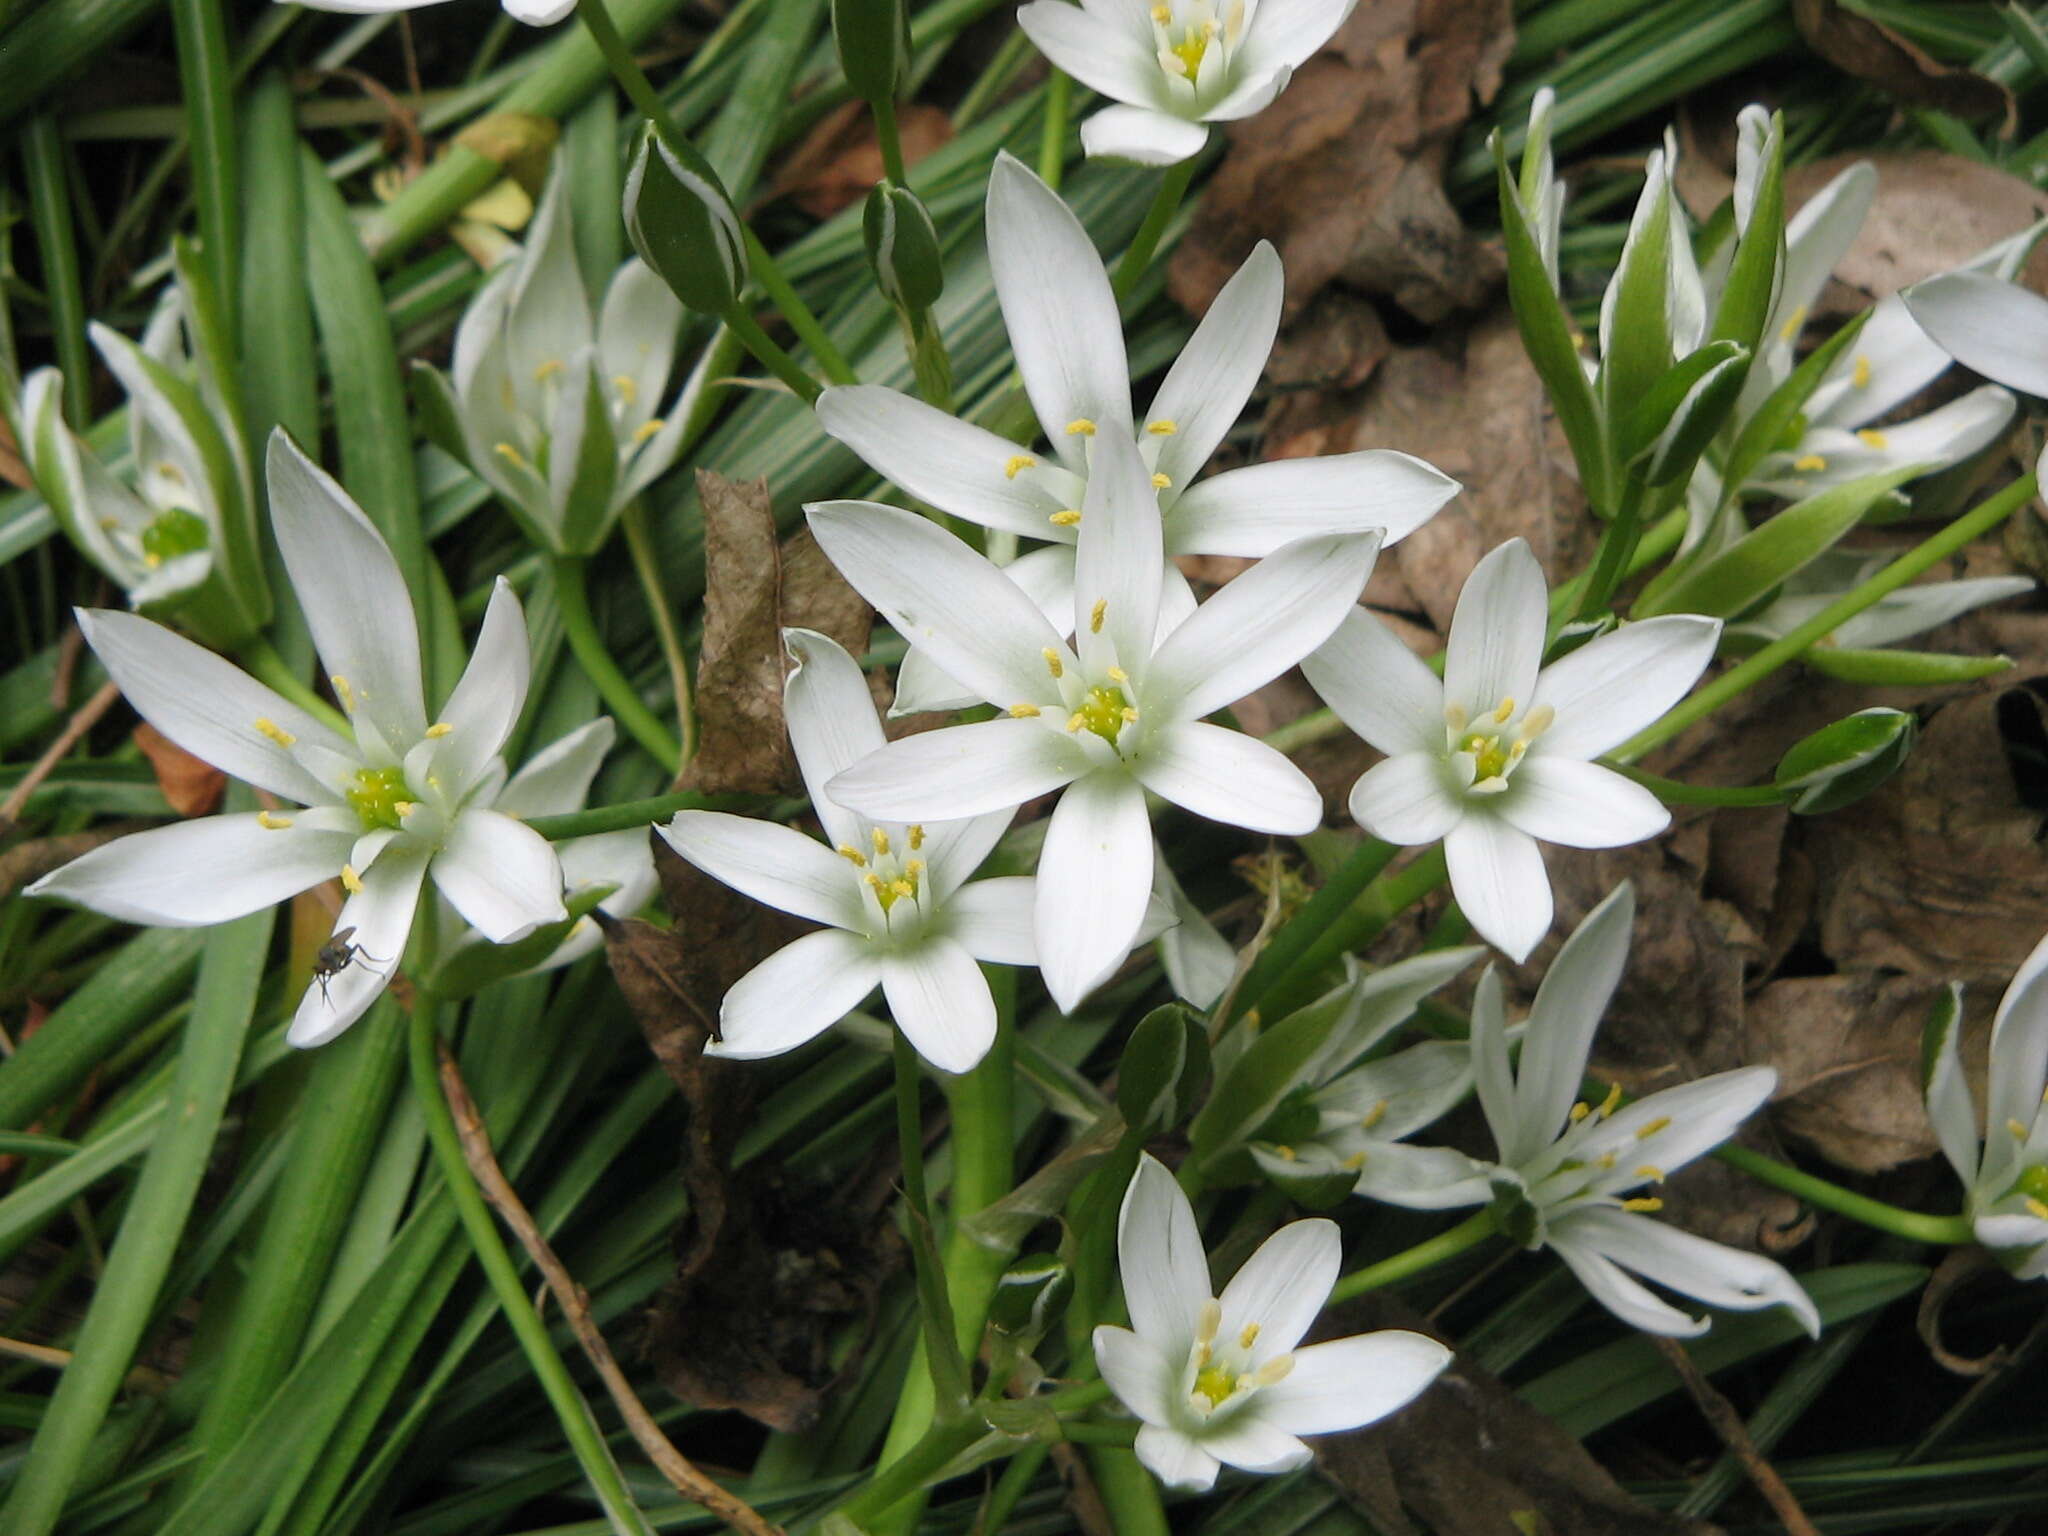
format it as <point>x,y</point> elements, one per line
<point>1759,260</point>
<point>209,102</point>
<point>1773,421</point>
<point>1902,669</point>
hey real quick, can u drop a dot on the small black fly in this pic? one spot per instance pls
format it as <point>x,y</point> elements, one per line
<point>335,957</point>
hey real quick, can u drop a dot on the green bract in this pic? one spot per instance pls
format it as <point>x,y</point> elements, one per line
<point>1841,763</point>
<point>682,223</point>
<point>874,45</point>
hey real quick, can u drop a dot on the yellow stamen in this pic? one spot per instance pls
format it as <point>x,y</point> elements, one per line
<point>547,370</point>
<point>1792,324</point>
<point>351,881</point>
<point>853,856</point>
<point>1354,1162</point>
<point>914,869</point>
<point>627,386</point>
<point>1809,464</point>
<point>1604,1161</point>
<point>2037,1208</point>
<point>1503,710</point>
<point>1580,1110</point>
<point>1210,1319</point>
<point>1130,714</point>
<point>1067,517</point>
<point>1075,721</point>
<point>1276,1369</point>
<point>902,888</point>
<point>1651,1172</point>
<point>1286,1154</point>
<point>1052,662</point>
<point>343,694</point>
<point>1024,711</point>
<point>1643,1203</point>
<point>879,838</point>
<point>1016,463</point>
<point>1163,428</point>
<point>1644,1133</point>
<point>268,727</point>
<point>404,808</point>
<point>1119,675</point>
<point>438,729</point>
<point>1612,1102</point>
<point>916,836</point>
<point>648,428</point>
<point>1249,1337</point>
<point>1538,720</point>
<point>1861,378</point>
<point>1096,615</point>
<point>1162,14</point>
<point>2019,1131</point>
<point>271,823</point>
<point>1080,426</point>
<point>1161,482</point>
<point>1870,437</point>
<point>1455,716</point>
<point>509,454</point>
<point>1374,1115</point>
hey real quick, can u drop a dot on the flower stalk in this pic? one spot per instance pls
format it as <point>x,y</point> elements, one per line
<point>571,576</point>
<point>1409,1262</point>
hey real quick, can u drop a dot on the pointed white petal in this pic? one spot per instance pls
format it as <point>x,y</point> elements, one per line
<point>1143,1378</point>
<point>1669,1128</point>
<point>1564,1018</point>
<point>1228,777</point>
<point>1493,1076</point>
<point>1998,329</point>
<point>772,864</point>
<point>956,466</point>
<point>482,710</point>
<point>2019,1055</point>
<point>1924,606</point>
<point>798,992</point>
<point>954,850</point>
<point>940,1000</point>
<point>1168,1454</point>
<point>1199,962</point>
<point>1406,799</point>
<point>636,341</point>
<point>1422,1178</point>
<point>1890,361</point>
<point>1254,510</point>
<point>500,874</point>
<point>354,598</point>
<point>1247,1441</point>
<point>1627,1299</point>
<point>1378,687</point>
<point>1118,558</point>
<point>1160,1258</point>
<point>193,873</point>
<point>1580,805</point>
<point>381,915</point>
<point>557,778</point>
<point>1094,878</point>
<point>1117,61</point>
<point>1142,135</point>
<point>1940,438</point>
<point>970,619</point>
<point>206,705</point>
<point>921,687</point>
<point>1496,642</point>
<point>993,919</point>
<point>1498,878</point>
<point>1403,1092</point>
<point>832,724</point>
<point>548,319</point>
<point>1264,622</point>
<point>1354,1381</point>
<point>1717,1275</point>
<point>1282,1287</point>
<point>960,771</point>
<point>1289,31</point>
<point>539,13</point>
<point>1056,300</point>
<point>1817,237</point>
<point>2010,1230</point>
<point>1607,690</point>
<point>1949,1107</point>
<point>1205,391</point>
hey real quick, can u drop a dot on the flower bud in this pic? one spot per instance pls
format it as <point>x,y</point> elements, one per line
<point>683,225</point>
<point>1843,762</point>
<point>1165,1067</point>
<point>1030,1297</point>
<point>874,45</point>
<point>902,247</point>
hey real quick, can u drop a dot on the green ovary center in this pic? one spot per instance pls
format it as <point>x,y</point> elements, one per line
<point>1105,711</point>
<point>381,798</point>
<point>1216,1384</point>
<point>2033,1182</point>
<point>173,532</point>
<point>1489,757</point>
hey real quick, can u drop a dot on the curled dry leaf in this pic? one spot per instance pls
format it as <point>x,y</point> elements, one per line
<point>841,158</point>
<point>1956,1270</point>
<point>191,786</point>
<point>1870,50</point>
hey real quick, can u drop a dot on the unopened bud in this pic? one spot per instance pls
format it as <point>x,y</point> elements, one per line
<point>902,247</point>
<point>1843,762</point>
<point>874,45</point>
<point>683,225</point>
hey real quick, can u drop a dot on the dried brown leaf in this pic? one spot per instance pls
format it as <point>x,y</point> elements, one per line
<point>1871,51</point>
<point>741,744</point>
<point>815,596</point>
<point>841,158</point>
<point>192,786</point>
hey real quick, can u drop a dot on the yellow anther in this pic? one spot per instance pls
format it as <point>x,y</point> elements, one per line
<point>265,726</point>
<point>1870,437</point>
<point>1645,1132</point>
<point>879,838</point>
<point>1604,1162</point>
<point>1066,517</point>
<point>1612,1102</point>
<point>1580,1110</point>
<point>1374,1115</point>
<point>1129,713</point>
<point>1024,711</point>
<point>1861,378</point>
<point>509,454</point>
<point>1249,1336</point>
<point>438,729</point>
<point>271,823</point>
<point>902,888</point>
<point>404,808</point>
<point>1286,1154</point>
<point>1277,1369</point>
<point>1455,716</point>
<point>2019,1131</point>
<point>1075,721</point>
<point>1354,1162</point>
<point>1536,722</point>
<point>344,695</point>
<point>1080,426</point>
<point>1161,482</point>
<point>1809,464</point>
<point>648,428</point>
<point>351,881</point>
<point>1643,1203</point>
<point>1792,324</point>
<point>2037,1208</point>
<point>914,869</point>
<point>1052,662</point>
<point>627,386</point>
<point>1208,1321</point>
<point>1651,1172</point>
<point>916,836</point>
<point>547,370</point>
<point>152,559</point>
<point>1503,711</point>
<point>1119,675</point>
<point>1163,428</point>
<point>1096,615</point>
<point>1016,463</point>
<point>1162,14</point>
<point>853,856</point>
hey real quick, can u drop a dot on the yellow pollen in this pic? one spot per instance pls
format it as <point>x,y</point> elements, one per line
<point>1354,1162</point>
<point>438,729</point>
<point>627,386</point>
<point>1604,1161</point>
<point>1870,437</point>
<point>1016,463</point>
<point>343,693</point>
<point>1503,710</point>
<point>1067,517</point>
<point>1209,1321</point>
<point>266,726</point>
<point>1861,378</point>
<point>1374,1115</point>
<point>1162,14</point>
<point>1161,482</point>
<point>1580,1110</point>
<point>879,838</point>
<point>902,888</point>
<point>1052,662</point>
<point>1651,1172</point>
<point>1163,428</point>
<point>1645,1132</point>
<point>1129,713</point>
<point>2019,1131</point>
<point>916,836</point>
<point>1286,1154</point>
<point>1455,716</point>
<point>1809,464</point>
<point>351,881</point>
<point>271,823</point>
<point>1643,1203</point>
<point>1119,675</point>
<point>1792,324</point>
<point>1080,426</point>
<point>1024,711</point>
<point>1279,1368</point>
<point>853,856</point>
<point>1536,722</point>
<point>1096,615</point>
<point>1075,721</point>
<point>404,808</point>
<point>509,454</point>
<point>1612,1102</point>
<point>152,559</point>
<point>2037,1208</point>
<point>914,869</point>
<point>547,370</point>
<point>648,428</point>
<point>1249,1337</point>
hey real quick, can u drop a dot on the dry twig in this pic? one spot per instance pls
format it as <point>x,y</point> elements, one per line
<point>1727,1423</point>
<point>87,717</point>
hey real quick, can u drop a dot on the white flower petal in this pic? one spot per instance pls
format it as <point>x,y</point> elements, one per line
<point>1496,642</point>
<point>1094,879</point>
<point>1117,61</point>
<point>1289,31</point>
<point>923,687</point>
<point>942,597</point>
<point>1580,805</point>
<point>381,914</point>
<point>355,600</point>
<point>1891,361</point>
<point>1498,878</point>
<point>1378,687</point>
<point>954,465</point>
<point>1996,328</point>
<point>960,771</point>
<point>1403,1092</point>
<point>772,864</point>
<point>1949,1107</point>
<point>1168,1454</point>
<point>1141,135</point>
<point>1254,510</point>
<point>940,1000</point>
<point>557,778</point>
<point>500,874</point>
<point>1141,1375</point>
<point>954,850</point>
<point>1261,624</point>
<point>1405,800</point>
<point>1205,391</point>
<point>1057,305</point>
<point>1349,1382</point>
<point>993,919</point>
<point>208,706</point>
<point>1612,687</point>
<point>1563,1020</point>
<point>1228,777</point>
<point>193,873</point>
<point>832,724</point>
<point>539,13</point>
<point>1923,606</point>
<point>1118,558</point>
<point>1627,1299</point>
<point>1700,1115</point>
<point>1817,237</point>
<point>1199,962</point>
<point>1422,1178</point>
<point>636,341</point>
<point>485,705</point>
<point>1936,440</point>
<point>2019,1057</point>
<point>1252,94</point>
<point>1282,1287</point>
<point>1248,1441</point>
<point>798,992</point>
<point>1493,1076</point>
<point>1160,1257</point>
<point>1716,1274</point>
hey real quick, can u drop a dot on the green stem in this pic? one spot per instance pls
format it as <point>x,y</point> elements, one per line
<point>910,1124</point>
<point>797,313</point>
<point>265,665</point>
<point>619,695</point>
<point>202,45</point>
<point>1469,1233</point>
<point>1128,1491</point>
<point>1016,1478</point>
<point>1672,792</point>
<point>634,523</point>
<point>1301,931</point>
<point>1749,673</point>
<point>1617,544</point>
<point>1052,137</point>
<point>910,1472</point>
<point>771,355</point>
<point>1173,186</point>
<point>891,141</point>
<point>49,210</point>
<point>586,1441</point>
<point>639,813</point>
<point>1915,1226</point>
<point>625,69</point>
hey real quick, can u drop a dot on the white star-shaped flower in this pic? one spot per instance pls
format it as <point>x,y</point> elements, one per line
<point>535,13</point>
